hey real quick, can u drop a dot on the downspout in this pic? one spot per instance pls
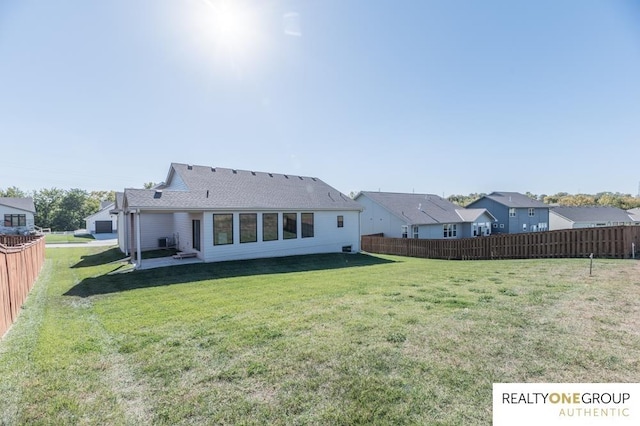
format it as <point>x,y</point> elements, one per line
<point>138,248</point>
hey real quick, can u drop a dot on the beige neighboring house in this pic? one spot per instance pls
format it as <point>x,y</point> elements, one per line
<point>18,215</point>
<point>102,221</point>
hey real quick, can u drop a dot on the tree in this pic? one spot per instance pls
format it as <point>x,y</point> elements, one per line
<point>149,185</point>
<point>73,209</point>
<point>13,192</point>
<point>47,203</point>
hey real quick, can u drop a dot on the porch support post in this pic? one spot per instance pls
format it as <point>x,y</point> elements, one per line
<point>138,248</point>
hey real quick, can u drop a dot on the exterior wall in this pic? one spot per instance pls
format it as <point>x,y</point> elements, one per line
<point>183,236</point>
<point>375,219</point>
<point>154,226</point>
<point>123,232</point>
<point>16,230</point>
<point>328,238</point>
<point>90,222</point>
<point>177,184</point>
<point>557,222</point>
<point>513,225</point>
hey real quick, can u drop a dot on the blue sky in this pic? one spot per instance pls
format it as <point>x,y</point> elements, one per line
<point>445,97</point>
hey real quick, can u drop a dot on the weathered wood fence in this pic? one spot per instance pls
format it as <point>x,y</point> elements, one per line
<point>21,259</point>
<point>609,242</point>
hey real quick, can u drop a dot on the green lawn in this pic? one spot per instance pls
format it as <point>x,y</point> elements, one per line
<point>67,238</point>
<point>330,339</point>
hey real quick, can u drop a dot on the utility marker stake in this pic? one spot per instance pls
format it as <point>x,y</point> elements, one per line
<point>590,264</point>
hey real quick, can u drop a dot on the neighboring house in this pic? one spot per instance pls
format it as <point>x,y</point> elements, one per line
<point>515,213</point>
<point>102,222</point>
<point>399,215</point>
<point>224,214</point>
<point>635,215</point>
<point>18,215</point>
<point>571,217</point>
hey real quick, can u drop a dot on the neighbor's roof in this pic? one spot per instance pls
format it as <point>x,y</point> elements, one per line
<point>423,209</point>
<point>513,199</point>
<point>592,213</point>
<point>635,214</point>
<point>25,204</point>
<point>207,188</point>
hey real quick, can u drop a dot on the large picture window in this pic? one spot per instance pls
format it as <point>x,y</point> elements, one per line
<point>13,220</point>
<point>248,227</point>
<point>269,226</point>
<point>289,226</point>
<point>307,225</point>
<point>222,229</point>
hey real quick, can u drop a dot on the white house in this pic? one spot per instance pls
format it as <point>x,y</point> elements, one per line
<point>18,215</point>
<point>102,221</point>
<point>224,214</point>
<point>401,215</point>
<point>571,217</point>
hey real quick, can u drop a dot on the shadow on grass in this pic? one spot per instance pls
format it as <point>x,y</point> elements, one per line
<point>114,283</point>
<point>115,255</point>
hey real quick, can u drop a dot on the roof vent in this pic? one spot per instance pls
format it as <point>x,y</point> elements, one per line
<point>213,169</point>
<point>253,173</point>
<point>300,177</point>
<point>235,172</point>
<point>313,179</point>
<point>158,193</point>
<point>189,167</point>
<point>270,174</point>
<point>286,177</point>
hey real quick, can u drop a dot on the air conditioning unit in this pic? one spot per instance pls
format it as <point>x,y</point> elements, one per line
<point>164,242</point>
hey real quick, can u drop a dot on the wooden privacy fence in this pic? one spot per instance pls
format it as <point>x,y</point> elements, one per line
<point>610,242</point>
<point>21,258</point>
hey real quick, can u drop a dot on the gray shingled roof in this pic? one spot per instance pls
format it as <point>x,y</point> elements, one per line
<point>635,214</point>
<point>221,188</point>
<point>592,213</point>
<point>423,209</point>
<point>514,199</point>
<point>19,203</point>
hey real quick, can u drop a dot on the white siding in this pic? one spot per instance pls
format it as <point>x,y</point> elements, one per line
<point>376,219</point>
<point>557,222</point>
<point>100,216</point>
<point>11,210</point>
<point>182,223</point>
<point>177,184</point>
<point>328,238</point>
<point>154,226</point>
<point>123,230</point>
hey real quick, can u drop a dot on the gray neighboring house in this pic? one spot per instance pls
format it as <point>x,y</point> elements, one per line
<point>428,216</point>
<point>635,215</point>
<point>18,215</point>
<point>572,217</point>
<point>515,213</point>
<point>218,214</point>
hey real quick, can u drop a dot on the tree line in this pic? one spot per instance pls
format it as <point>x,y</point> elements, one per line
<point>60,209</point>
<point>612,199</point>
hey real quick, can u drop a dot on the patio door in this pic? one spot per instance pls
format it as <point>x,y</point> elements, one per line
<point>195,234</point>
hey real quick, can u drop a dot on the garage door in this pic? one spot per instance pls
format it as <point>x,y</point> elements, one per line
<point>103,227</point>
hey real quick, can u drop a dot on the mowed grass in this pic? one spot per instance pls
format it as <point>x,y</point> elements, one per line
<point>67,238</point>
<point>328,339</point>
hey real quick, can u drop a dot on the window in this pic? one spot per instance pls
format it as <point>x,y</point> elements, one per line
<point>450,230</point>
<point>269,226</point>
<point>13,220</point>
<point>340,221</point>
<point>532,212</point>
<point>512,212</point>
<point>222,229</point>
<point>289,226</point>
<point>307,225</point>
<point>248,227</point>
<point>405,231</point>
<point>416,231</point>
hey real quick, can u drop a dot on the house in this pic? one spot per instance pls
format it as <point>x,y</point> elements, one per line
<point>401,215</point>
<point>571,217</point>
<point>18,215</point>
<point>635,215</point>
<point>219,214</point>
<point>102,221</point>
<point>515,213</point>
